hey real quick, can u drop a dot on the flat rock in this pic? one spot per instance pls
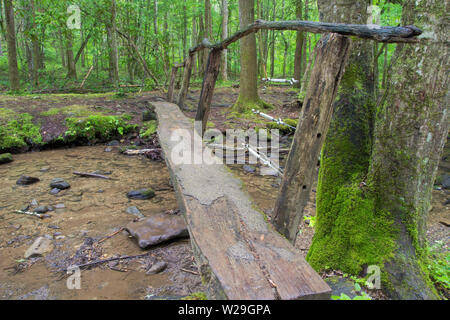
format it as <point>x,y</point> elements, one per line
<point>135,211</point>
<point>59,183</point>
<point>42,209</point>
<point>141,194</point>
<point>248,168</point>
<point>26,180</point>
<point>158,228</point>
<point>54,191</point>
<point>40,246</point>
<point>157,267</point>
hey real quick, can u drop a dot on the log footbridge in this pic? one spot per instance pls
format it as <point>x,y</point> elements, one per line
<point>239,254</point>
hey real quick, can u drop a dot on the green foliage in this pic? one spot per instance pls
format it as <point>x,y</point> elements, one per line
<point>362,295</point>
<point>96,127</point>
<point>311,220</point>
<point>19,132</point>
<point>148,129</point>
<point>439,266</point>
<point>196,296</point>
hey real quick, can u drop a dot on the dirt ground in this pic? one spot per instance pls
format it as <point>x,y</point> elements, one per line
<point>95,208</point>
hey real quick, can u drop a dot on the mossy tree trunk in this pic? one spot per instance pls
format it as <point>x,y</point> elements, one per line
<point>346,153</point>
<point>412,127</point>
<point>376,214</point>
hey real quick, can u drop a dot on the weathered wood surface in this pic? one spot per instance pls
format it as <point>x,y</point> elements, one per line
<point>331,53</point>
<point>209,82</point>
<point>239,255</point>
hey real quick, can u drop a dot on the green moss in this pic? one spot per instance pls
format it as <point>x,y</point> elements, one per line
<point>72,110</point>
<point>148,129</point>
<point>19,132</point>
<point>243,105</point>
<point>283,129</point>
<point>5,158</point>
<point>196,296</point>
<point>96,127</point>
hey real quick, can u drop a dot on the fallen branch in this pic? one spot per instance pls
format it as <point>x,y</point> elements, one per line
<point>88,264</point>
<point>189,271</point>
<point>137,152</point>
<point>91,175</point>
<point>111,235</point>
<point>28,213</point>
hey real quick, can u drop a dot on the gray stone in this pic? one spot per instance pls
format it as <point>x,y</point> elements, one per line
<point>54,191</point>
<point>446,182</point>
<point>34,203</point>
<point>135,211</point>
<point>108,149</point>
<point>41,209</point>
<point>39,247</point>
<point>158,228</point>
<point>59,183</point>
<point>249,169</point>
<point>27,180</point>
<point>141,194</point>
<point>157,267</point>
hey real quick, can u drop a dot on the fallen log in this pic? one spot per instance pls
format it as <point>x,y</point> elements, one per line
<point>138,152</point>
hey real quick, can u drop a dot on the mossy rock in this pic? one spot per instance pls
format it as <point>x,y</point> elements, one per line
<point>141,194</point>
<point>6,158</point>
<point>284,129</point>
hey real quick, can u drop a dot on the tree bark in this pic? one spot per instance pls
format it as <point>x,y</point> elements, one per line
<point>113,50</point>
<point>346,153</point>
<point>13,69</point>
<point>186,79</point>
<point>298,48</point>
<point>332,53</point>
<point>248,93</point>
<point>209,82</point>
<point>411,131</point>
<point>224,64</point>
<point>71,68</point>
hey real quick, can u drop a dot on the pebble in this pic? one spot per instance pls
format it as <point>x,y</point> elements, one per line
<point>40,246</point>
<point>54,191</point>
<point>60,237</point>
<point>60,206</point>
<point>41,209</point>
<point>34,203</point>
<point>108,149</point>
<point>46,169</point>
<point>135,211</point>
<point>142,194</point>
<point>52,226</point>
<point>59,183</point>
<point>157,267</point>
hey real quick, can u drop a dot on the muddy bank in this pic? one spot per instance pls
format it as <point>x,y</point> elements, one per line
<point>83,215</point>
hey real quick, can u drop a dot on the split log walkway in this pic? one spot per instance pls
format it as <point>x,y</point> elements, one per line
<point>240,256</point>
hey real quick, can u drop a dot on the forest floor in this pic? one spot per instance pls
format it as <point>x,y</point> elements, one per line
<point>95,208</point>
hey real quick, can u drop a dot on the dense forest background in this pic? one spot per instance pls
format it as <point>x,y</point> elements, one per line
<point>52,57</point>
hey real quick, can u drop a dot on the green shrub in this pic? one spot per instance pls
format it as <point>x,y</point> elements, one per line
<point>96,127</point>
<point>19,133</point>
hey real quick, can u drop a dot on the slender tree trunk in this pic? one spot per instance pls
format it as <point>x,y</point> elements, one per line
<point>248,94</point>
<point>71,67</point>
<point>113,50</point>
<point>298,47</point>
<point>208,28</point>
<point>13,69</point>
<point>273,42</point>
<point>224,64</point>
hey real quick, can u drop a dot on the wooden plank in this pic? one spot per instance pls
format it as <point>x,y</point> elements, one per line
<point>239,255</point>
<point>332,53</point>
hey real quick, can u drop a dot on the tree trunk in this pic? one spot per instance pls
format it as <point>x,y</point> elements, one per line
<point>248,93</point>
<point>376,215</point>
<point>411,131</point>
<point>332,53</point>
<point>224,64</point>
<point>208,28</point>
<point>71,68</point>
<point>113,50</point>
<point>346,153</point>
<point>298,48</point>
<point>13,69</point>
